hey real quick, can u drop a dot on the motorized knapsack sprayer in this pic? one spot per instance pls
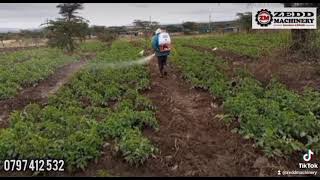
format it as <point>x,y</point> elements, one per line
<point>164,42</point>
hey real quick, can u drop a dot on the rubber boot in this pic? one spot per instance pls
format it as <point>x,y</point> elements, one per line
<point>161,74</point>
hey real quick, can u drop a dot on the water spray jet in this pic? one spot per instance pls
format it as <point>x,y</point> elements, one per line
<point>121,64</point>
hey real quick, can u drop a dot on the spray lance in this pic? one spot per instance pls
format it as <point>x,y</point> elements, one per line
<point>148,58</point>
<point>121,64</point>
<point>141,53</point>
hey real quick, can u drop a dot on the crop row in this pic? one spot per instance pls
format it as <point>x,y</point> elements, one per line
<point>92,46</point>
<point>253,45</point>
<point>35,65</point>
<point>99,104</point>
<point>7,59</point>
<point>279,120</point>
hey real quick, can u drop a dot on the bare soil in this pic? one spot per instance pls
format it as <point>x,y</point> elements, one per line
<point>192,139</point>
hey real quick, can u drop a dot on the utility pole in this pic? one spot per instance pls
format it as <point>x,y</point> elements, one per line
<point>210,25</point>
<point>182,26</point>
<point>210,22</point>
<point>147,28</point>
<point>150,20</point>
<point>150,24</point>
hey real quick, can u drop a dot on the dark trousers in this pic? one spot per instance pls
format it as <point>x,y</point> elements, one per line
<point>162,61</point>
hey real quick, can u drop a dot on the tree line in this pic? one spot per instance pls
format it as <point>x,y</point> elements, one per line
<point>70,29</point>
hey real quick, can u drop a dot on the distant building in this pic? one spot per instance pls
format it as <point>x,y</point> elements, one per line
<point>231,29</point>
<point>131,27</point>
<point>176,34</point>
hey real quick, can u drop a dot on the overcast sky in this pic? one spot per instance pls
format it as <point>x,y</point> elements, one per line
<point>31,15</point>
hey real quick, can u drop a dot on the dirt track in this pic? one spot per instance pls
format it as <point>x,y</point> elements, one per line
<point>191,140</point>
<point>40,92</point>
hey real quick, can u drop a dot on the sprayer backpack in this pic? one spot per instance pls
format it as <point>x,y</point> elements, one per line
<point>164,42</point>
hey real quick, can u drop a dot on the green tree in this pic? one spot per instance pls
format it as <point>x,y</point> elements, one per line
<point>174,28</point>
<point>69,10</point>
<point>190,26</point>
<point>302,38</point>
<point>147,27</point>
<point>145,24</point>
<point>104,34</point>
<point>95,30</point>
<point>63,32</point>
<point>245,21</point>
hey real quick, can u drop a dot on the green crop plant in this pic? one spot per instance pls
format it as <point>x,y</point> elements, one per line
<point>279,120</point>
<point>40,64</point>
<point>134,147</point>
<point>252,45</point>
<point>98,103</point>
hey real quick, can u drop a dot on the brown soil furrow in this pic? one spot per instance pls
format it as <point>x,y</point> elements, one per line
<point>40,92</point>
<point>201,145</point>
<point>191,141</point>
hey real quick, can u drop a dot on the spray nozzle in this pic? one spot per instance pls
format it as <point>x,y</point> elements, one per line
<point>141,53</point>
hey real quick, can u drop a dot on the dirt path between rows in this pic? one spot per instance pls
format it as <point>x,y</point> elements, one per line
<point>192,141</point>
<point>40,92</point>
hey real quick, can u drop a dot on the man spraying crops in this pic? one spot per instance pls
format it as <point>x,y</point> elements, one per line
<point>161,45</point>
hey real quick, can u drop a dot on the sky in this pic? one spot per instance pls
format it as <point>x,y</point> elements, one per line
<point>31,15</point>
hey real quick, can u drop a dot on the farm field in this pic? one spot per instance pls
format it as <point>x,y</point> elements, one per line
<point>247,100</point>
<point>227,112</point>
<point>25,68</point>
<point>249,45</point>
